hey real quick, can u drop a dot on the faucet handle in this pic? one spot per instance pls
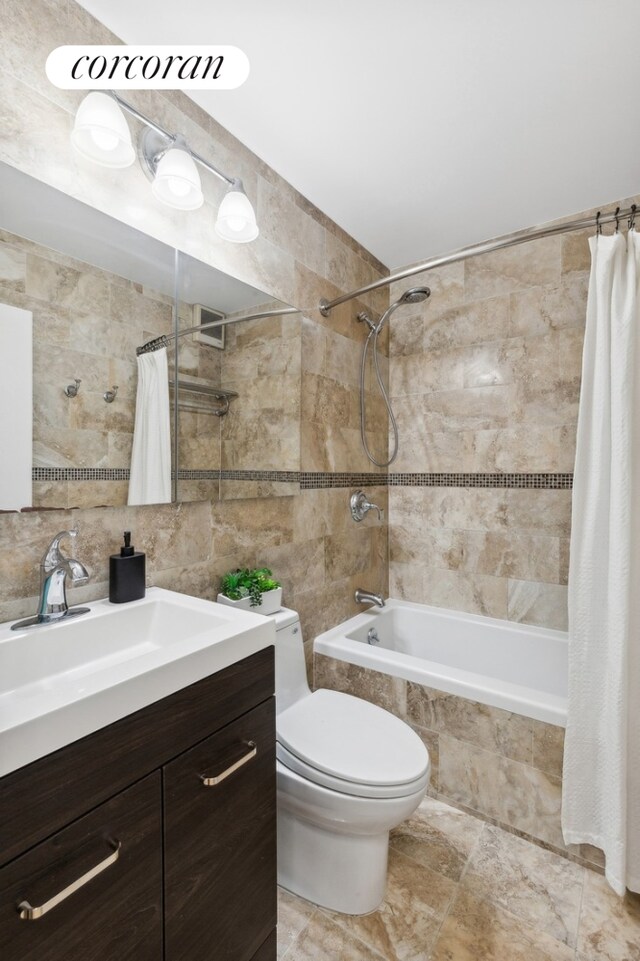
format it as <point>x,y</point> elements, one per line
<point>361,505</point>
<point>53,555</point>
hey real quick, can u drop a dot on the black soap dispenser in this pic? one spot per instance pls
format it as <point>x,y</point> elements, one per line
<point>126,573</point>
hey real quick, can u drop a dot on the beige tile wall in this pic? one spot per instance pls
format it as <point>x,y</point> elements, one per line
<point>262,362</point>
<point>198,432</point>
<point>485,378</point>
<point>299,257</point>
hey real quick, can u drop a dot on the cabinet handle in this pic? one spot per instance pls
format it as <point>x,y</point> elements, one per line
<point>212,781</point>
<point>29,913</point>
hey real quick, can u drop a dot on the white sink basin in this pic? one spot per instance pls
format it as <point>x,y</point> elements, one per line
<point>61,682</point>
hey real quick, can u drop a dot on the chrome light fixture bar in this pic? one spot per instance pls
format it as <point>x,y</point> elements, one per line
<point>101,134</point>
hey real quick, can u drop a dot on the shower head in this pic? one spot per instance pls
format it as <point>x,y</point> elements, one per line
<point>415,295</point>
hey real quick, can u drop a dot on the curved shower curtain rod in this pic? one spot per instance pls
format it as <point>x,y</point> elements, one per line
<point>165,339</point>
<point>474,250</point>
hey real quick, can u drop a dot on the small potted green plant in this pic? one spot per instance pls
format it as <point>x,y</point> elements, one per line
<point>253,590</point>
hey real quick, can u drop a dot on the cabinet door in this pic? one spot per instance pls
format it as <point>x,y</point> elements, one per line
<point>220,843</point>
<point>92,892</point>
<point>268,950</point>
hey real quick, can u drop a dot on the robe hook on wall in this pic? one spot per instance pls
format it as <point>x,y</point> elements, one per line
<point>71,390</point>
<point>617,216</point>
<point>632,217</point>
<point>110,395</point>
<point>598,224</point>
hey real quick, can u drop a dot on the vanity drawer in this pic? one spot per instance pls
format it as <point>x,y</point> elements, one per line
<point>117,912</point>
<point>42,797</point>
<point>220,843</point>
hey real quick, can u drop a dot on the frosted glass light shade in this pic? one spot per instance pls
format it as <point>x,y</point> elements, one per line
<point>177,181</point>
<point>101,133</point>
<point>236,219</point>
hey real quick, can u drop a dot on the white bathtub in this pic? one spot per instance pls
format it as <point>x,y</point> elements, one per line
<point>501,663</point>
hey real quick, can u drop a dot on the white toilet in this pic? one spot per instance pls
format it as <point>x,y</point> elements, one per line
<point>347,773</point>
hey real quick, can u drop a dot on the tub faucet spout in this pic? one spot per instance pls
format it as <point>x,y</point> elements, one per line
<point>368,597</point>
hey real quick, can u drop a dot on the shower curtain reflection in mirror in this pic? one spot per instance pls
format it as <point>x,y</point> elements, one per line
<point>150,479</point>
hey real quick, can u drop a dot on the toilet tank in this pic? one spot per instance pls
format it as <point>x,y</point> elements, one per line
<point>291,670</point>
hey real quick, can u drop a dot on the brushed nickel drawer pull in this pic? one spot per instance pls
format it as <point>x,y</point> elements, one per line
<point>29,913</point>
<point>212,781</point>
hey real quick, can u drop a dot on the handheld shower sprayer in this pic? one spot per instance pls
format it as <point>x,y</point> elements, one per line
<point>415,295</point>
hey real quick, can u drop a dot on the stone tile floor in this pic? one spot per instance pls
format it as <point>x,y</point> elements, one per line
<point>463,890</point>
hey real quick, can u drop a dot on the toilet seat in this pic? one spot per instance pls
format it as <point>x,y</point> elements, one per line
<point>351,746</point>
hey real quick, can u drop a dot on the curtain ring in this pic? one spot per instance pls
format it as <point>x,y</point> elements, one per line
<point>616,215</point>
<point>598,224</point>
<point>632,217</point>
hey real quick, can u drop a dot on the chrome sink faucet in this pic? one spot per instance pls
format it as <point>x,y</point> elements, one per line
<point>368,597</point>
<point>55,567</point>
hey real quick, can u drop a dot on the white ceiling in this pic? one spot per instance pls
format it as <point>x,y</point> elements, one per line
<point>421,126</point>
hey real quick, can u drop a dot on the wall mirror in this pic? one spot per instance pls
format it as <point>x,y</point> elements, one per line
<point>79,293</point>
<point>238,402</point>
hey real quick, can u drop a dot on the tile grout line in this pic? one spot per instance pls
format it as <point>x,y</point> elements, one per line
<point>579,925</point>
<point>519,918</point>
<point>332,916</point>
<point>458,886</point>
<point>300,932</point>
<point>336,918</point>
<point>517,832</point>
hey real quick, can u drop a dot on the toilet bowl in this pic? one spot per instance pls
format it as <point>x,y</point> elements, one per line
<point>347,773</point>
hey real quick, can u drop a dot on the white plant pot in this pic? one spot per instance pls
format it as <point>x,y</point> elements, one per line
<point>270,602</point>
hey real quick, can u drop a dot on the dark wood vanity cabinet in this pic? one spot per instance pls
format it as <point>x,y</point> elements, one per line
<point>228,883</point>
<point>118,913</point>
<point>160,830</point>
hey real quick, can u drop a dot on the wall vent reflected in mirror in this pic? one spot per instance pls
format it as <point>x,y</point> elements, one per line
<point>213,336</point>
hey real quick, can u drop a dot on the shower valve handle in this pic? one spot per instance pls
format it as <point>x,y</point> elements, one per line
<point>361,505</point>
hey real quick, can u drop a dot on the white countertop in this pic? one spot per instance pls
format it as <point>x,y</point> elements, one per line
<point>63,681</point>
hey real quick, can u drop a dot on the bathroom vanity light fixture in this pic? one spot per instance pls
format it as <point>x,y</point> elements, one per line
<point>236,220</point>
<point>101,134</point>
<point>171,169</point>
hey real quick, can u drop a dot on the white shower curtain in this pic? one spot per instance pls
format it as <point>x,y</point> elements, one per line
<point>601,785</point>
<point>150,479</point>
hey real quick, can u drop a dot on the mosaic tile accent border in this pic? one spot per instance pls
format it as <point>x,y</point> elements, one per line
<point>316,480</point>
<point>212,475</point>
<point>283,476</point>
<point>122,473</point>
<point>529,481</point>
<point>79,473</point>
<point>312,480</point>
